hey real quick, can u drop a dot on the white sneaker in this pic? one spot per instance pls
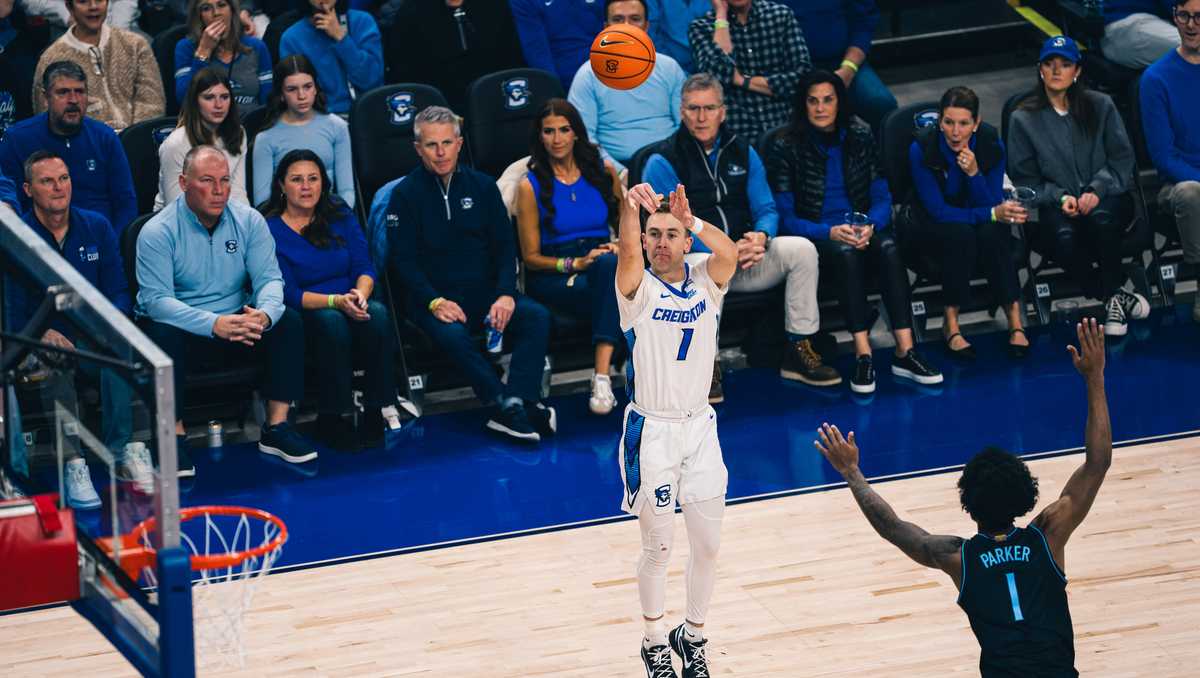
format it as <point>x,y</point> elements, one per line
<point>77,483</point>
<point>1120,308</point>
<point>137,468</point>
<point>602,400</point>
<point>391,417</point>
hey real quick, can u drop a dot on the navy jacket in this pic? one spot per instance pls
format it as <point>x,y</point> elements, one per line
<point>8,192</point>
<point>91,247</point>
<point>456,244</point>
<point>100,177</point>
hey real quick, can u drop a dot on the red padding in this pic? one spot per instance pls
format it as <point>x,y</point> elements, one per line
<point>39,559</point>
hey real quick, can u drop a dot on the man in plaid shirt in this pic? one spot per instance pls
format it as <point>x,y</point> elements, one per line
<point>757,50</point>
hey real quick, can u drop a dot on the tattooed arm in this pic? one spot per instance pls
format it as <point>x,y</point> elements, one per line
<point>931,550</point>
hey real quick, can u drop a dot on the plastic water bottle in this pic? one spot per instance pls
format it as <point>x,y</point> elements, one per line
<point>495,337</point>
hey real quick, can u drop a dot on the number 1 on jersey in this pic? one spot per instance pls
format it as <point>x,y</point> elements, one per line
<point>1012,593</point>
<point>685,344</point>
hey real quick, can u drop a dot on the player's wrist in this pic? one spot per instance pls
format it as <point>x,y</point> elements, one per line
<point>696,226</point>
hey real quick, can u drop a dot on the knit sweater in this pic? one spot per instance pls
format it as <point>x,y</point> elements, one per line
<point>346,68</point>
<point>170,165</point>
<point>1055,156</point>
<point>128,88</point>
<point>1169,101</point>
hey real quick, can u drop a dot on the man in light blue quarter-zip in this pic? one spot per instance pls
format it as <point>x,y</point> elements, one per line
<point>196,259</point>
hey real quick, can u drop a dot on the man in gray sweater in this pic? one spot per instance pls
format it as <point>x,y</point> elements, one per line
<point>1068,143</point>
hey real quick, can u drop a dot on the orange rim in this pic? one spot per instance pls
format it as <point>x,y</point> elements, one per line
<point>221,560</point>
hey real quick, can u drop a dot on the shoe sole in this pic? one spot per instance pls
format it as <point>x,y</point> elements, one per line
<point>862,388</point>
<point>920,379</point>
<point>533,437</point>
<point>714,400</point>
<point>187,472</point>
<point>276,452</point>
<point>1115,330</point>
<point>797,376</point>
<point>604,408</point>
<point>80,506</point>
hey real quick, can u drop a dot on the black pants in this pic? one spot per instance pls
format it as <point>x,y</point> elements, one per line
<point>850,269</point>
<point>336,343</point>
<point>281,351</point>
<point>960,248</point>
<point>1075,243</point>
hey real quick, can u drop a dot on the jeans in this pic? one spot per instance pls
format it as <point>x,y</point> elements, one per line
<point>1077,242</point>
<point>527,334</point>
<point>571,293</point>
<point>1183,201</point>
<point>334,341</point>
<point>281,351</point>
<point>959,248</point>
<point>870,99</point>
<point>1138,40</point>
<point>850,268</point>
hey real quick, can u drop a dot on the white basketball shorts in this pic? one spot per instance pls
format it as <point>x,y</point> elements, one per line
<point>668,460</point>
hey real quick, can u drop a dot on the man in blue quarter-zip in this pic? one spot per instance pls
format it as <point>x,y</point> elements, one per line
<point>727,186</point>
<point>92,151</point>
<point>195,261</point>
<point>451,245</point>
<point>87,242</point>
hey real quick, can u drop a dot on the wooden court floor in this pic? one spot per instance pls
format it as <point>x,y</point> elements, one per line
<point>805,589</point>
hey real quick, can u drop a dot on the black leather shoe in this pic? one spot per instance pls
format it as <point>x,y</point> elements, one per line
<point>1016,351</point>
<point>964,354</point>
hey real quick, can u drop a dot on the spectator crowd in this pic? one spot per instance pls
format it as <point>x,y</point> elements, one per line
<point>769,112</point>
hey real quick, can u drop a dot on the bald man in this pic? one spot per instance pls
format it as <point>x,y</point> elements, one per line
<point>211,292</point>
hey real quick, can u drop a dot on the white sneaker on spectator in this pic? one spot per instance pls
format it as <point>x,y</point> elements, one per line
<point>391,417</point>
<point>602,401</point>
<point>77,483</point>
<point>137,468</point>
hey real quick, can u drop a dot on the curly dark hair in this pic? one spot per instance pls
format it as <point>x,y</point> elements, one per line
<point>587,158</point>
<point>996,487</point>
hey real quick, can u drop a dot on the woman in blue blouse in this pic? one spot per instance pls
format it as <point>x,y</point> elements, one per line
<point>961,216</point>
<point>328,277</point>
<point>565,207</point>
<point>216,38</point>
<point>822,170</point>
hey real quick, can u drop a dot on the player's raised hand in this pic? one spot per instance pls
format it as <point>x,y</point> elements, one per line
<point>842,452</point>
<point>643,196</point>
<point>680,208</point>
<point>1089,358</point>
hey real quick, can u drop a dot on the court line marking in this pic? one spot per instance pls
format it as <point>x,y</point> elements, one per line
<point>466,541</point>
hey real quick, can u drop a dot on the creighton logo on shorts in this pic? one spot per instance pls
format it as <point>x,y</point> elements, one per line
<point>401,106</point>
<point>231,246</point>
<point>662,496</point>
<point>516,93</point>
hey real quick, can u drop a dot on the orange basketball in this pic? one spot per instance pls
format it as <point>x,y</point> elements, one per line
<point>622,56</point>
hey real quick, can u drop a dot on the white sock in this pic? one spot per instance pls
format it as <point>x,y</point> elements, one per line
<point>655,633</point>
<point>694,633</point>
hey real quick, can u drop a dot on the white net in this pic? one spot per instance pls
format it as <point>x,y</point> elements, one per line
<point>222,595</point>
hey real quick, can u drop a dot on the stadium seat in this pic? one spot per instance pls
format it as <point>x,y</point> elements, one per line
<point>141,142</point>
<point>164,53</point>
<point>381,135</point>
<point>274,33</point>
<point>501,108</point>
<point>898,131</point>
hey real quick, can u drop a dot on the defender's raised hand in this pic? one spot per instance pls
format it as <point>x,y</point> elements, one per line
<point>842,452</point>
<point>1089,358</point>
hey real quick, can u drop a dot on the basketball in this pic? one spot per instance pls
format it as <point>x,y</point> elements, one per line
<point>622,56</point>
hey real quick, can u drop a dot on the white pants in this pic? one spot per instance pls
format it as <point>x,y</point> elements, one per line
<point>789,258</point>
<point>1138,40</point>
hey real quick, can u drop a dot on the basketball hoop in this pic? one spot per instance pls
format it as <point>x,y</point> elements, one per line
<point>230,556</point>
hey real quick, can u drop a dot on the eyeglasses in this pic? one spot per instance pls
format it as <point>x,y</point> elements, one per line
<point>96,65</point>
<point>1185,18</point>
<point>693,109</point>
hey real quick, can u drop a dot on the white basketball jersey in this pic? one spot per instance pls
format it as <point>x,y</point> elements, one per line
<point>672,336</point>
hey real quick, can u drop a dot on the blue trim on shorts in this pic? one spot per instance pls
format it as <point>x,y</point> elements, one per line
<point>630,338</point>
<point>633,449</point>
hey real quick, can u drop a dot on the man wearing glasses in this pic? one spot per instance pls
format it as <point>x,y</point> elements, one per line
<point>727,186</point>
<point>1169,100</point>
<point>125,83</point>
